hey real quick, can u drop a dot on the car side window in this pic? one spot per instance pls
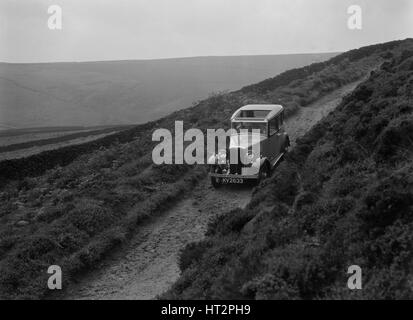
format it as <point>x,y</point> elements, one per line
<point>274,126</point>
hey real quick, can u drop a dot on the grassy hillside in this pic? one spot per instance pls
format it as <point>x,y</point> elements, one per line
<point>344,196</point>
<point>125,92</point>
<point>73,205</point>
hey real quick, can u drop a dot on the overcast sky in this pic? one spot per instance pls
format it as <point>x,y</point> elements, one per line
<point>149,29</point>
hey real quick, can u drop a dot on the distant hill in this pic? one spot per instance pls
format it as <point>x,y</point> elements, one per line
<point>126,92</point>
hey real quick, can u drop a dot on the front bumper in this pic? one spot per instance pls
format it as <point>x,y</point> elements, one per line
<point>249,172</point>
<point>233,176</point>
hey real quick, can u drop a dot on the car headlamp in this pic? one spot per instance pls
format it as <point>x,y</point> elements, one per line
<point>222,156</point>
<point>250,157</point>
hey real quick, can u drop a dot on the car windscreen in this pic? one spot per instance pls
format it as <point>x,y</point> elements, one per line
<point>253,113</point>
<point>262,126</point>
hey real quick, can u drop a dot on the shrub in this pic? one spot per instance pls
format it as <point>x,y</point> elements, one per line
<point>91,217</point>
<point>191,253</point>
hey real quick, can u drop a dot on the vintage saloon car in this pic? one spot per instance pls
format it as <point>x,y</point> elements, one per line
<point>272,139</point>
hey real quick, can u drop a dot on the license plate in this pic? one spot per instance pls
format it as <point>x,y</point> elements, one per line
<point>232,180</point>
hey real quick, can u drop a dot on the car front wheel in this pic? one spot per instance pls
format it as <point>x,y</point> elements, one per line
<point>216,182</point>
<point>264,173</point>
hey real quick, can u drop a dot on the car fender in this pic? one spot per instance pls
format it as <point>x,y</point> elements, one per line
<point>261,161</point>
<point>212,159</point>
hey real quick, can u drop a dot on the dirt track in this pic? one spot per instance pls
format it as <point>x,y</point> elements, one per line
<point>147,266</point>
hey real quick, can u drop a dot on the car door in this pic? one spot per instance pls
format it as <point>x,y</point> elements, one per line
<point>275,138</point>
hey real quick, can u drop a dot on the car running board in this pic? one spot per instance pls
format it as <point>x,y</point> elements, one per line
<point>274,162</point>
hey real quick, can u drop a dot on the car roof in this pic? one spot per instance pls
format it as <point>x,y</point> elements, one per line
<point>273,110</point>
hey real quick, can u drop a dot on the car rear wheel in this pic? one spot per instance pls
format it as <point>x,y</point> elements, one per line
<point>286,144</point>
